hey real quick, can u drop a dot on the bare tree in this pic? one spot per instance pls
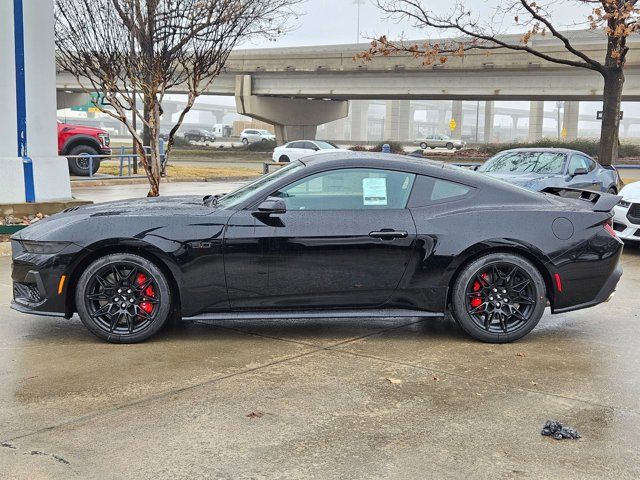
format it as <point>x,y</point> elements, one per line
<point>617,18</point>
<point>132,52</point>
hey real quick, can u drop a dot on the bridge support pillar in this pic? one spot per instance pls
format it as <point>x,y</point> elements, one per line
<point>489,109</point>
<point>456,114</point>
<point>359,120</point>
<point>536,117</point>
<point>31,169</point>
<point>292,118</point>
<point>397,120</point>
<point>570,120</point>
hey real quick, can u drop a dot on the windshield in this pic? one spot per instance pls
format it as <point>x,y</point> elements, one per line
<point>543,163</point>
<point>243,193</point>
<point>324,145</point>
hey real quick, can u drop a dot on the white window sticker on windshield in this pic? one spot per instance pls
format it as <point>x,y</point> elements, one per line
<point>374,191</point>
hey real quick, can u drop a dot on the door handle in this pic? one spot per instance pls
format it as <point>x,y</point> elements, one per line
<point>388,234</point>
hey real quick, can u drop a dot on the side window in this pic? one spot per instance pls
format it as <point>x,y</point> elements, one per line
<point>349,189</point>
<point>309,146</point>
<point>430,191</point>
<point>295,145</point>
<point>590,164</point>
<point>576,162</point>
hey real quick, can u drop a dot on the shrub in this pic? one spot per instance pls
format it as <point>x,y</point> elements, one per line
<point>264,146</point>
<point>396,147</point>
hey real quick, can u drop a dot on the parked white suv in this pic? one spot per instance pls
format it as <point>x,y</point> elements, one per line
<point>292,151</point>
<point>252,135</point>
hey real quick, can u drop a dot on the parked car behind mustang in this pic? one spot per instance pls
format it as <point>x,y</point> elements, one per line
<point>540,168</point>
<point>292,151</point>
<point>626,219</point>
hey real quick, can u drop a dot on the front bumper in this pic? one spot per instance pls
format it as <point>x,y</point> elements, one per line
<point>626,229</point>
<point>37,280</point>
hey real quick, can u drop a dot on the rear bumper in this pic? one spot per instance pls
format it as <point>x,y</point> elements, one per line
<point>604,295</point>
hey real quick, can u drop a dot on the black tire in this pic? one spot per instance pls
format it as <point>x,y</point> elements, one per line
<point>485,281</point>
<point>245,141</point>
<point>284,159</point>
<point>80,166</point>
<point>423,146</point>
<point>449,146</point>
<point>432,148</point>
<point>99,289</point>
<point>613,191</point>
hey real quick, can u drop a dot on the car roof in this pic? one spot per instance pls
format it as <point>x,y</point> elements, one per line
<point>543,149</point>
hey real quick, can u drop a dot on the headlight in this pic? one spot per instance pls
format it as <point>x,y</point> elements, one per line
<point>624,204</point>
<point>31,246</point>
<point>104,138</point>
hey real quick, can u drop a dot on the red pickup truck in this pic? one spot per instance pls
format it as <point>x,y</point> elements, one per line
<point>76,141</point>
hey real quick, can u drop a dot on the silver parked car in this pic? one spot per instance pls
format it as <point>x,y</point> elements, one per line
<point>540,168</point>
<point>443,141</point>
<point>253,135</point>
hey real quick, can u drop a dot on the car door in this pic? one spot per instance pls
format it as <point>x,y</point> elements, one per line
<point>295,150</point>
<point>588,181</point>
<point>344,241</point>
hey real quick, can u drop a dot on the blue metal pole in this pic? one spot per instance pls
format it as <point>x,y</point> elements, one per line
<point>21,100</point>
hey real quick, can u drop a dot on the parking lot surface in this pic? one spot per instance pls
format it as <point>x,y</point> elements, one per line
<point>393,398</point>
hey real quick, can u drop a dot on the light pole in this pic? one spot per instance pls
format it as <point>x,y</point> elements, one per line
<point>358,3</point>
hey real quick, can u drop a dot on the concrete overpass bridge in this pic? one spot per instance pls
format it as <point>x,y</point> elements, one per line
<point>297,89</point>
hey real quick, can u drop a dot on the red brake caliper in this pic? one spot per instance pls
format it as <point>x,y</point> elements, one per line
<point>477,301</point>
<point>148,292</point>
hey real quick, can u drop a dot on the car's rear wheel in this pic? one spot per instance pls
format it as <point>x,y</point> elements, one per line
<point>449,146</point>
<point>123,298</point>
<point>284,159</point>
<point>499,298</point>
<point>79,163</point>
<point>423,146</point>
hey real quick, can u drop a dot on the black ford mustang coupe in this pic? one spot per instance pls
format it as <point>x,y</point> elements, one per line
<point>336,235</point>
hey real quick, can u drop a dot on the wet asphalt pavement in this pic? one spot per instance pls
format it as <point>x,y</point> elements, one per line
<point>395,398</point>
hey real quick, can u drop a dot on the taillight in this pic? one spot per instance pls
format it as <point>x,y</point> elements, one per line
<point>609,229</point>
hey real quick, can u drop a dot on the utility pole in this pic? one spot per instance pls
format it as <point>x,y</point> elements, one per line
<point>358,3</point>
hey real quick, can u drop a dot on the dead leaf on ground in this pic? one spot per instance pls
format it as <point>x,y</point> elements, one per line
<point>436,378</point>
<point>520,354</point>
<point>256,414</point>
<point>394,381</point>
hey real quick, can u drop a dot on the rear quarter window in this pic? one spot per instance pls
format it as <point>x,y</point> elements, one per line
<point>431,191</point>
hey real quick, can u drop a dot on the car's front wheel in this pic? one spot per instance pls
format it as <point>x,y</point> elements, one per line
<point>612,191</point>
<point>499,298</point>
<point>423,146</point>
<point>123,298</point>
<point>245,141</point>
<point>284,159</point>
<point>449,146</point>
<point>79,163</point>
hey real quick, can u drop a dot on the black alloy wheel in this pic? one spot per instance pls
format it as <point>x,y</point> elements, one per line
<point>123,298</point>
<point>499,298</point>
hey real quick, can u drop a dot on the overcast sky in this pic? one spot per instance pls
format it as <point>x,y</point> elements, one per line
<point>323,22</point>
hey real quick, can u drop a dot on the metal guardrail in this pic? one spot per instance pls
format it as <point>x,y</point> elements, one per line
<point>124,158</point>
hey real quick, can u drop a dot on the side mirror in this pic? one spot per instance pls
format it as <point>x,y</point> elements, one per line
<point>579,171</point>
<point>272,205</point>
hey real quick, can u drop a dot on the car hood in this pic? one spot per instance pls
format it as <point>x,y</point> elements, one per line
<point>67,127</point>
<point>631,192</point>
<point>527,180</point>
<point>144,207</point>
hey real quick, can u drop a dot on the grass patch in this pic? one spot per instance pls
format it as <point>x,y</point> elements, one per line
<point>179,171</point>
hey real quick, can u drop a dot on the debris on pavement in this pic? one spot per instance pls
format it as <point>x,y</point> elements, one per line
<point>394,381</point>
<point>558,431</point>
<point>256,414</point>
